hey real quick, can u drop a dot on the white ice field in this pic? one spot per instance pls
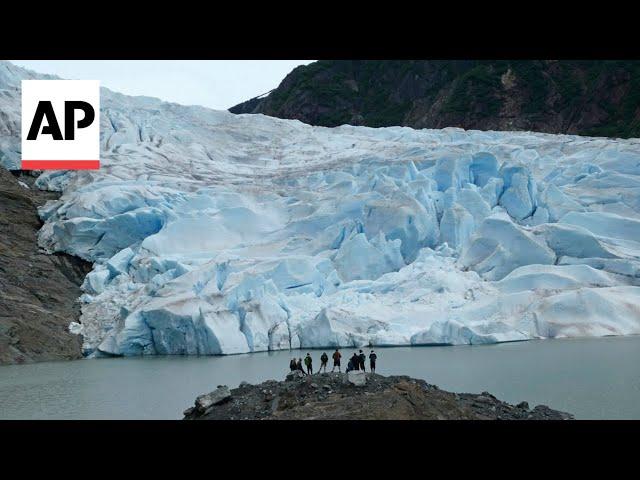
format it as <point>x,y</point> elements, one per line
<point>214,233</point>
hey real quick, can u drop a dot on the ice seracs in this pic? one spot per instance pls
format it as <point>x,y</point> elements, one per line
<point>214,233</point>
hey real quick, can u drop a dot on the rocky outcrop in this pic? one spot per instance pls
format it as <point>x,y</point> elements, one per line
<point>586,97</point>
<point>218,396</point>
<point>38,292</point>
<point>357,378</point>
<point>335,396</point>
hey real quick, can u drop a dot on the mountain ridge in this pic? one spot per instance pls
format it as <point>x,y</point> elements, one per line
<point>584,97</point>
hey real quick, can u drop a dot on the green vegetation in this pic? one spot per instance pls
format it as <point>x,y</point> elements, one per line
<point>536,87</point>
<point>388,115</point>
<point>624,118</point>
<point>475,90</point>
<point>591,97</point>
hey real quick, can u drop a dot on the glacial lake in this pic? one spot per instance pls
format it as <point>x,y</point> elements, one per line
<point>593,378</point>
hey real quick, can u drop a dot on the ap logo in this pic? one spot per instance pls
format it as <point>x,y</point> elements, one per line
<point>60,124</point>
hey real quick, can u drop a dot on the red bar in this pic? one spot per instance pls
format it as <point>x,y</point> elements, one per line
<point>60,164</point>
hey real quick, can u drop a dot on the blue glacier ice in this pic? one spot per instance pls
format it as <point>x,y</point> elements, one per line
<point>214,233</point>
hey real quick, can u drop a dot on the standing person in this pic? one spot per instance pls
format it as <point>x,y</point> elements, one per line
<point>308,361</point>
<point>372,361</point>
<point>356,361</point>
<point>293,365</point>
<point>299,366</point>
<point>336,360</point>
<point>323,362</point>
<point>362,358</point>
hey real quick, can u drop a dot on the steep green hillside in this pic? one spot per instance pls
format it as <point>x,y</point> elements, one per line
<point>586,97</point>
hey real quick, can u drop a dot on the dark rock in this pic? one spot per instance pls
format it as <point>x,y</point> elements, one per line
<point>523,405</point>
<point>39,291</point>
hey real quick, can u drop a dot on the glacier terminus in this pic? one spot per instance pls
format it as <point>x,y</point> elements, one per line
<point>213,233</point>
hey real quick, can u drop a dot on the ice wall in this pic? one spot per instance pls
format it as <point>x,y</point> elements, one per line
<point>214,233</point>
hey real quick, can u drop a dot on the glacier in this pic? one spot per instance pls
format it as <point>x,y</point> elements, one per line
<point>213,233</point>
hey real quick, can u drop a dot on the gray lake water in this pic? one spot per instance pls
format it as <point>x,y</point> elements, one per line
<point>597,378</point>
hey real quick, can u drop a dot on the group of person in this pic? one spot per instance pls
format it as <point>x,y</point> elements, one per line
<point>356,362</point>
